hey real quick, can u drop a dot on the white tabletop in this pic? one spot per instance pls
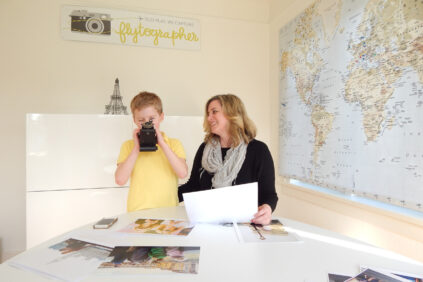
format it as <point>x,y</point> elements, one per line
<point>224,258</point>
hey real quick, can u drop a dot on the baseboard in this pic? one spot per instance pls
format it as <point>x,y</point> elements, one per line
<point>9,254</point>
<point>381,228</point>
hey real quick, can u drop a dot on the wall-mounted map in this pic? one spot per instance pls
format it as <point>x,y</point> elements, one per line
<point>351,98</point>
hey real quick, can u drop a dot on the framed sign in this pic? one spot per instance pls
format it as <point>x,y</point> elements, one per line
<point>129,28</point>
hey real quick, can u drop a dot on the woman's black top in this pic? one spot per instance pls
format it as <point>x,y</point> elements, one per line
<point>257,167</point>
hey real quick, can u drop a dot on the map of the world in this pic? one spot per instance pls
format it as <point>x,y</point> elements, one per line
<point>351,98</point>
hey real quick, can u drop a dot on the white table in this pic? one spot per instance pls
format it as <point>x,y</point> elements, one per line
<point>223,258</point>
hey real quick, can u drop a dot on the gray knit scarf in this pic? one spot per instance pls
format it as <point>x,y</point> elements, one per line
<point>225,171</point>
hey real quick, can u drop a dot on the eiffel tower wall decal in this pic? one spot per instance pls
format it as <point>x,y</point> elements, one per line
<point>116,107</point>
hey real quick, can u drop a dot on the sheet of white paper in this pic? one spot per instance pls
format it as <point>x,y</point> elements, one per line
<point>227,204</point>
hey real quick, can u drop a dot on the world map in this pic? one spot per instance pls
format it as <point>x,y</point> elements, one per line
<point>351,98</point>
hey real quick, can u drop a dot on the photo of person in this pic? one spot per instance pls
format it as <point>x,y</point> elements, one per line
<point>404,275</point>
<point>337,277</point>
<point>155,258</point>
<point>159,226</point>
<point>272,232</point>
<point>68,260</point>
<point>70,245</point>
<point>143,224</point>
<point>77,248</point>
<point>274,228</point>
<point>370,275</point>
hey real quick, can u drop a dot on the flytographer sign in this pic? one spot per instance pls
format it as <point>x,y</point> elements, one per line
<point>129,28</point>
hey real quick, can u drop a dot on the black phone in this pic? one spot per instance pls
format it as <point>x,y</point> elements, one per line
<point>105,223</point>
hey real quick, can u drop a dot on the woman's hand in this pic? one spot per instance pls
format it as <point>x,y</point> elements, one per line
<point>263,216</point>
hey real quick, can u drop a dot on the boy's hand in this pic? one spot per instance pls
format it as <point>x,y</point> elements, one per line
<point>178,164</point>
<point>136,140</point>
<point>124,169</point>
<point>159,135</point>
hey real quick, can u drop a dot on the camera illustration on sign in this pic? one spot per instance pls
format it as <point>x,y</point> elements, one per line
<point>147,137</point>
<point>91,23</point>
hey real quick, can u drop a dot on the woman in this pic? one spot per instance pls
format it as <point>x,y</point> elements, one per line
<point>230,155</point>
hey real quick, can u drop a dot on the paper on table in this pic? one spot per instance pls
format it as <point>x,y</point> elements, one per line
<point>152,260</point>
<point>409,276</point>
<point>158,227</point>
<point>273,232</point>
<point>227,204</point>
<point>373,275</point>
<point>69,260</point>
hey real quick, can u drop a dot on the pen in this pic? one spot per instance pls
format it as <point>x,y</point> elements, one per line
<point>255,227</point>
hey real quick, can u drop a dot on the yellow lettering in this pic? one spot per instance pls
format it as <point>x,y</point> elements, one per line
<point>121,32</point>
<point>181,32</point>
<point>136,32</point>
<point>174,36</point>
<point>125,30</point>
<point>157,33</point>
<point>146,32</point>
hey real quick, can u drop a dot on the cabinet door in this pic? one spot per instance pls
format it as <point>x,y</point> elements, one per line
<point>73,151</point>
<point>51,213</point>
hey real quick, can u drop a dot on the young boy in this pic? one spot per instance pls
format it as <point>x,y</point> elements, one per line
<point>154,175</point>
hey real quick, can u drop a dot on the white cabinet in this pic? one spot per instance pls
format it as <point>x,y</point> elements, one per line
<point>70,164</point>
<point>73,151</point>
<point>52,213</point>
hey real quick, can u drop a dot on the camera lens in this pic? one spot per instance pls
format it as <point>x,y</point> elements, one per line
<point>94,25</point>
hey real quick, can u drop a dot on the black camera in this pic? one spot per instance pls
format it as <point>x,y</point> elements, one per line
<point>147,137</point>
<point>95,23</point>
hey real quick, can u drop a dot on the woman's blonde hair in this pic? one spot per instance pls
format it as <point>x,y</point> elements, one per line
<point>240,125</point>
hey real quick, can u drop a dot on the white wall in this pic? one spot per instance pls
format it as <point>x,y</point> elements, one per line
<point>41,72</point>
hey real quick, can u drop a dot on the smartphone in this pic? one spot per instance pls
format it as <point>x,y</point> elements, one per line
<point>105,223</point>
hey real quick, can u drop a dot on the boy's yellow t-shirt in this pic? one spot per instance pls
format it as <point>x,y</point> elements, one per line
<point>153,182</point>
